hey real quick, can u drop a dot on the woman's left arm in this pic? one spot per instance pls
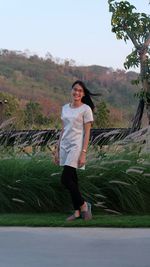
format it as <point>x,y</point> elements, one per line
<point>82,158</point>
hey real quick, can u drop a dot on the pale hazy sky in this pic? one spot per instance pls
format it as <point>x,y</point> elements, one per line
<point>69,29</point>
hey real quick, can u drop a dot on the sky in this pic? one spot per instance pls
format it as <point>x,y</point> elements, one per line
<point>67,29</point>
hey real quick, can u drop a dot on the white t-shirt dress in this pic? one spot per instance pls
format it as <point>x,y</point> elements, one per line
<point>71,142</point>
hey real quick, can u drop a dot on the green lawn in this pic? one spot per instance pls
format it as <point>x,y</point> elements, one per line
<point>58,220</point>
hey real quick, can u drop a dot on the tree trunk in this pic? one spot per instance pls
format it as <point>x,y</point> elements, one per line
<point>144,79</point>
<point>147,90</point>
<point>148,112</point>
<point>138,117</point>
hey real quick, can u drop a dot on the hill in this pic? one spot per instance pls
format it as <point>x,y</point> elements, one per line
<point>46,81</point>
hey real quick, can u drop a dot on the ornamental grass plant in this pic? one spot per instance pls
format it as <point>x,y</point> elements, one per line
<point>116,179</point>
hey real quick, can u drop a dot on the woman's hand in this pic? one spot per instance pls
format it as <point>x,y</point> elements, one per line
<point>82,159</point>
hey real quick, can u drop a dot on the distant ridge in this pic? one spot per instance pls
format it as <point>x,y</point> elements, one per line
<point>48,82</point>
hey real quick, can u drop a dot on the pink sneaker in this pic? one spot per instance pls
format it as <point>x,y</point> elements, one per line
<point>72,218</point>
<point>87,215</point>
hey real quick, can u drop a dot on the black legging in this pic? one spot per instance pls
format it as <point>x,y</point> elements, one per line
<point>70,180</point>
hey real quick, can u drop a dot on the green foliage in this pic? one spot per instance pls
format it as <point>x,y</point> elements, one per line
<point>10,108</point>
<point>143,95</point>
<point>125,21</point>
<point>33,113</point>
<point>132,60</point>
<point>102,115</point>
<point>130,25</point>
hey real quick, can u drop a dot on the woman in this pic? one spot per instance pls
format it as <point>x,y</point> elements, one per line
<point>77,118</point>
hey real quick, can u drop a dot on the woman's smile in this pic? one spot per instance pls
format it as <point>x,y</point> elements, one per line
<point>77,92</point>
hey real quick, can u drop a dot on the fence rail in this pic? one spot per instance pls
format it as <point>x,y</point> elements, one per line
<point>44,137</point>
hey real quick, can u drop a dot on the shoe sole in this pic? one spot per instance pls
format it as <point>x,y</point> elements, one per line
<point>71,219</point>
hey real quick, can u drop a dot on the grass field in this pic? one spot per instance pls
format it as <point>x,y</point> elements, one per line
<point>59,220</point>
<point>116,181</point>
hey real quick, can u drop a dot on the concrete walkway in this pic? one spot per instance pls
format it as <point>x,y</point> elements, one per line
<point>74,247</point>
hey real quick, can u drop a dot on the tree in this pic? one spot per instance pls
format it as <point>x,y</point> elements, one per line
<point>10,108</point>
<point>33,114</point>
<point>130,25</point>
<point>102,115</point>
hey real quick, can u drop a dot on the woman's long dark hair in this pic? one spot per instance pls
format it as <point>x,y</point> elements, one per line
<point>86,99</point>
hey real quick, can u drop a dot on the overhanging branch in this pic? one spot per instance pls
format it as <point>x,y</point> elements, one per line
<point>134,41</point>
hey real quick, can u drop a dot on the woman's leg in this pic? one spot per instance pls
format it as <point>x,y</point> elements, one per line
<point>70,180</point>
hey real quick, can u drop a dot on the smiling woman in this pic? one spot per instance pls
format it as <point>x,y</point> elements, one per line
<point>77,118</point>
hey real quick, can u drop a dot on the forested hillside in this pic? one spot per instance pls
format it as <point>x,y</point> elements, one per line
<point>44,83</point>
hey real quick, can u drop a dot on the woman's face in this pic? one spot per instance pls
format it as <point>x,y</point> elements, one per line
<point>77,92</point>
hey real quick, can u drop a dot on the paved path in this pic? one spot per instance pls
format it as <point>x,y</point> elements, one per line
<point>74,247</point>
